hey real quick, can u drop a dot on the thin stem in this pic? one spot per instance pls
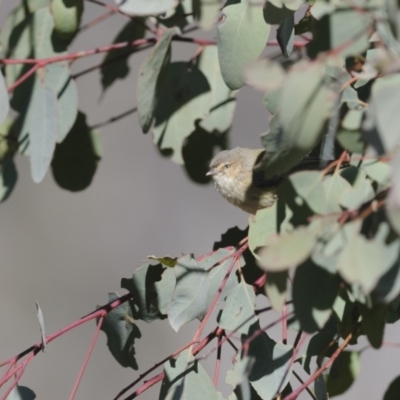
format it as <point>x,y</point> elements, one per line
<point>96,21</point>
<point>86,360</point>
<point>217,363</point>
<point>114,119</point>
<point>200,329</point>
<point>33,350</point>
<point>325,366</point>
<point>301,381</point>
<point>148,384</point>
<point>284,325</point>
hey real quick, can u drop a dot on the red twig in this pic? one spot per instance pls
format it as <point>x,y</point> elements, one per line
<point>148,384</point>
<point>315,375</point>
<point>86,360</point>
<point>23,78</point>
<point>155,366</point>
<point>15,382</point>
<point>236,256</point>
<point>33,350</point>
<point>284,324</point>
<point>218,362</point>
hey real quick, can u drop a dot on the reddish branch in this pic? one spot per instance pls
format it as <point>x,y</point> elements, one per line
<point>315,375</point>
<point>35,349</point>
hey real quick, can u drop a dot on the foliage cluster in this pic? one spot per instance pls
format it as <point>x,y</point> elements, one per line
<point>326,256</point>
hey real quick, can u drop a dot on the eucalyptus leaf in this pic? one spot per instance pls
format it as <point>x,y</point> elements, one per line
<point>314,292</point>
<point>275,257</point>
<point>223,102</point>
<point>238,313</point>
<point>145,7</point>
<point>150,73</point>
<point>144,304</point>
<point>348,367</point>
<point>185,98</point>
<point>272,367</point>
<point>185,376</point>
<point>285,35</point>
<point>8,177</point>
<point>364,261</point>
<point>41,123</point>
<point>121,333</point>
<point>242,35</point>
<point>189,299</point>
<point>4,102</point>
<point>21,393</point>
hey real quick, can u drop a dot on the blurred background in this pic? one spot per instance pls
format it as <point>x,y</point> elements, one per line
<point>68,250</point>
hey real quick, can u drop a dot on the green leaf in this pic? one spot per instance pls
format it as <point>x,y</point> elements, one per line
<point>189,299</point>
<point>392,392</point>
<point>285,35</point>
<point>67,17</point>
<point>184,378</point>
<point>145,7</point>
<point>121,333</point>
<point>8,178</point>
<point>362,192</point>
<point>345,30</point>
<point>184,99</point>
<point>348,367</point>
<point>373,323</point>
<point>351,141</point>
<point>272,368</point>
<point>364,261</point>
<point>392,206</point>
<point>240,372</point>
<point>242,36</point>
<point>4,102</point>
<point>144,304</point>
<point>378,171</point>
<point>115,63</point>
<point>75,159</point>
<point>21,393</point>
<point>262,226</point>
<point>57,77</point>
<point>239,309</point>
<point>266,75</point>
<point>305,105</point>
<point>165,289</point>
<point>383,112</point>
<point>275,13</point>
<point>314,292</point>
<point>41,123</point>
<point>335,185</point>
<point>150,73</point>
<point>275,289</point>
<point>223,102</point>
<point>209,10</point>
<point>167,260</point>
<point>275,256</point>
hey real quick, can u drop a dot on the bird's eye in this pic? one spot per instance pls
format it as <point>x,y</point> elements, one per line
<point>226,166</point>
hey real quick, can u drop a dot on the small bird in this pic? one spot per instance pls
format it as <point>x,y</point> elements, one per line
<point>237,180</point>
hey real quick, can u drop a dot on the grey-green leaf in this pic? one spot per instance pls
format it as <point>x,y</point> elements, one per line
<point>272,368</point>
<point>185,98</point>
<point>189,299</point>
<point>144,304</point>
<point>242,36</point>
<point>21,393</point>
<point>186,379</point>
<point>314,292</point>
<point>238,314</point>
<point>121,333</point>
<point>223,102</point>
<point>149,74</point>
<point>145,7</point>
<point>4,102</point>
<point>41,123</point>
<point>276,257</point>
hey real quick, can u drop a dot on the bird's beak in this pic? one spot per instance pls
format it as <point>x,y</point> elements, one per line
<point>211,172</point>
